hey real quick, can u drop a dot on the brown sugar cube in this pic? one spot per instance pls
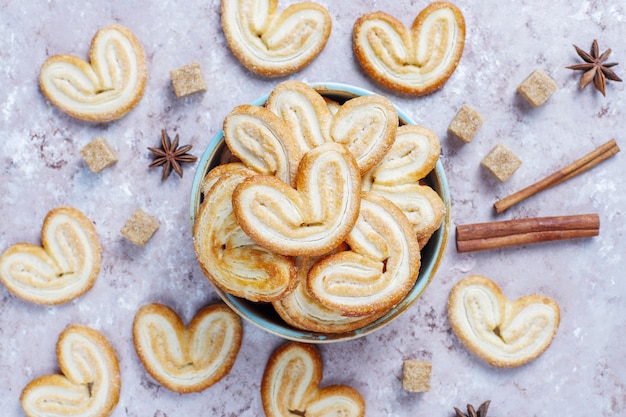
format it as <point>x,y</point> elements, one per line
<point>416,376</point>
<point>465,124</point>
<point>98,154</point>
<point>537,88</point>
<point>140,227</point>
<point>188,80</point>
<point>501,162</point>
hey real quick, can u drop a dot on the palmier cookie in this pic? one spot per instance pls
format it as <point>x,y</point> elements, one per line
<point>415,62</point>
<point>63,268</point>
<point>310,219</point>
<point>107,87</point>
<point>367,126</point>
<point>216,173</point>
<point>420,204</point>
<point>304,111</point>
<point>262,141</point>
<point>379,269</point>
<point>90,381</point>
<point>300,310</point>
<point>187,359</point>
<point>290,386</point>
<point>502,332</point>
<point>412,156</point>
<point>228,257</point>
<point>275,44</point>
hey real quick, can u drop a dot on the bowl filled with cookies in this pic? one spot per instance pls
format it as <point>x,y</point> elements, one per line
<point>320,212</point>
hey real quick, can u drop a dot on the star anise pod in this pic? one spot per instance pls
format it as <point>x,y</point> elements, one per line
<point>595,68</point>
<point>471,412</point>
<point>171,156</point>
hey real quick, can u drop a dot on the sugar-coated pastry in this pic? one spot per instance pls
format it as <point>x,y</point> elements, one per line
<point>336,400</point>
<point>310,219</point>
<point>502,332</point>
<point>216,173</point>
<point>413,62</point>
<point>300,310</point>
<point>304,111</point>
<point>228,257</point>
<point>89,383</point>
<point>262,141</point>
<point>290,386</point>
<point>63,268</point>
<point>412,156</point>
<point>187,359</point>
<point>420,204</point>
<point>104,89</point>
<point>275,44</point>
<point>367,126</point>
<point>379,269</point>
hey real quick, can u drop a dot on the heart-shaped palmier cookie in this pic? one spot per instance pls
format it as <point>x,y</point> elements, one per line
<point>262,141</point>
<point>63,268</point>
<point>106,88</point>
<point>187,359</point>
<point>290,386</point>
<point>310,219</point>
<point>227,256</point>
<point>420,204</point>
<point>367,126</point>
<point>378,270</point>
<point>302,311</point>
<point>304,111</point>
<point>415,62</point>
<point>271,43</point>
<point>502,332</point>
<point>90,382</point>
<point>413,154</point>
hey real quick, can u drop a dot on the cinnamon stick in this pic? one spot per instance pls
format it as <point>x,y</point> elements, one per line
<point>577,167</point>
<point>493,235</point>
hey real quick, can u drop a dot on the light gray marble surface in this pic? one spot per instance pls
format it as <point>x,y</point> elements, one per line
<point>583,372</point>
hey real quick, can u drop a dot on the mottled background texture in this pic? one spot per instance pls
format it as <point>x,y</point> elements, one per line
<point>581,374</point>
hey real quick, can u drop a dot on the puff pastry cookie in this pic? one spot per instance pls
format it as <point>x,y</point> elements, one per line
<point>63,268</point>
<point>187,359</point>
<point>311,219</point>
<point>413,154</point>
<point>416,61</point>
<point>262,141</point>
<point>422,206</point>
<point>367,126</point>
<point>304,111</point>
<point>107,87</point>
<point>228,257</point>
<point>302,311</point>
<point>90,381</point>
<point>397,177</point>
<point>502,332</point>
<point>378,270</point>
<point>275,44</point>
<point>290,386</point>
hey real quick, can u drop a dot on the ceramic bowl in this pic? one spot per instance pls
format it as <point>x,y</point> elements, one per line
<point>262,314</point>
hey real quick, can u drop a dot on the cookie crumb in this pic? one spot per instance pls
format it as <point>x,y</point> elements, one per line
<point>140,227</point>
<point>98,154</point>
<point>537,88</point>
<point>465,124</point>
<point>188,80</point>
<point>416,375</point>
<point>501,162</point>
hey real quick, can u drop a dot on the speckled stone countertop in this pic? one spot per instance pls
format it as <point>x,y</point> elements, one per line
<point>582,373</point>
